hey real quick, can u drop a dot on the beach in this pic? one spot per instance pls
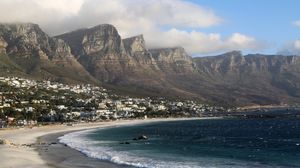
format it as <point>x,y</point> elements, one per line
<point>38,146</point>
<point>25,148</point>
<point>59,155</point>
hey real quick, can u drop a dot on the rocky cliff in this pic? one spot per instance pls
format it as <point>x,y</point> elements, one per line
<point>136,48</point>
<point>254,78</point>
<point>124,63</point>
<point>173,59</point>
<point>101,51</point>
<point>38,54</point>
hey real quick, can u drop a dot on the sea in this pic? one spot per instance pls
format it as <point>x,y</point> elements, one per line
<point>195,143</point>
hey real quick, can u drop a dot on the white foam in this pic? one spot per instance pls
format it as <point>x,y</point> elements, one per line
<point>80,142</point>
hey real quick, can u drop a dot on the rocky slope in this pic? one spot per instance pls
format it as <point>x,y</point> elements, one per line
<point>99,54</point>
<point>173,59</point>
<point>38,55</point>
<point>101,51</point>
<point>256,79</point>
<point>126,63</point>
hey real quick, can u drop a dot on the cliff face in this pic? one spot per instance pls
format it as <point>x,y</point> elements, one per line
<point>236,62</point>
<point>136,48</point>
<point>102,39</point>
<point>37,53</point>
<point>125,63</point>
<point>101,51</point>
<point>254,78</point>
<point>173,60</point>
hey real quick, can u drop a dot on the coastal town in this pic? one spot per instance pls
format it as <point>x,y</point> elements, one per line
<point>25,102</point>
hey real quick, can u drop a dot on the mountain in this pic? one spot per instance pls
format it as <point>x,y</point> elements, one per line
<point>126,63</point>
<point>100,55</point>
<point>252,79</point>
<point>35,54</point>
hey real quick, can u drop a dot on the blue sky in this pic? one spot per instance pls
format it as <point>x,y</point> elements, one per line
<point>267,20</point>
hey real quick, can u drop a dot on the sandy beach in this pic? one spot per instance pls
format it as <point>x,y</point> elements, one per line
<point>22,147</point>
<point>38,146</point>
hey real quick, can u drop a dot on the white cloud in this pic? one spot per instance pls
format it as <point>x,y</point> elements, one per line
<point>297,44</point>
<point>164,23</point>
<point>201,43</point>
<point>241,39</point>
<point>292,48</point>
<point>297,23</point>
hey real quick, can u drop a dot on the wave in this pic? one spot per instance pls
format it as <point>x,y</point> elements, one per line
<point>79,141</point>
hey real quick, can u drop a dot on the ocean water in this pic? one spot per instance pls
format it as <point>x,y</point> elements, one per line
<point>195,143</point>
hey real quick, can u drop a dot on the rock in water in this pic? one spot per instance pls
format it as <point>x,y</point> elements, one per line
<point>142,137</point>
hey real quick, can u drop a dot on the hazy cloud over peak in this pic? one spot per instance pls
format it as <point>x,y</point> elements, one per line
<point>164,23</point>
<point>292,48</point>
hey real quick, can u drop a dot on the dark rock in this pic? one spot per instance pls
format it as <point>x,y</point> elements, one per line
<point>142,137</point>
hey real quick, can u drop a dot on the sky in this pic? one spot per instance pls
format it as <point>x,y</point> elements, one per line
<point>202,27</point>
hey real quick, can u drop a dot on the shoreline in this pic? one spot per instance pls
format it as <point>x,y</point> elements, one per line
<point>25,147</point>
<point>58,155</point>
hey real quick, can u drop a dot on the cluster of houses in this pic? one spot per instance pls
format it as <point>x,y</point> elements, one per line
<point>28,102</point>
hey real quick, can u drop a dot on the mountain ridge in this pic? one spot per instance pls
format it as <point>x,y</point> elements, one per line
<point>100,55</point>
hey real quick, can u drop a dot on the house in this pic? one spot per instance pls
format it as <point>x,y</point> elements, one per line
<point>32,122</point>
<point>2,123</point>
<point>161,108</point>
<point>29,109</point>
<point>75,114</point>
<point>6,105</point>
<point>103,112</point>
<point>61,107</point>
<point>24,102</point>
<point>10,120</point>
<point>102,105</point>
<point>179,104</point>
<point>21,122</point>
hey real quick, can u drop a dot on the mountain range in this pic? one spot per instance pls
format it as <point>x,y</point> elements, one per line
<point>99,55</point>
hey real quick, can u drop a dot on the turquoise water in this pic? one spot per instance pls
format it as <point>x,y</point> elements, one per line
<point>197,143</point>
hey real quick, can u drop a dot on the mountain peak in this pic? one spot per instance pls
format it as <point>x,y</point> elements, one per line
<point>233,53</point>
<point>20,27</point>
<point>135,44</point>
<point>139,37</point>
<point>104,29</point>
<point>174,55</point>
